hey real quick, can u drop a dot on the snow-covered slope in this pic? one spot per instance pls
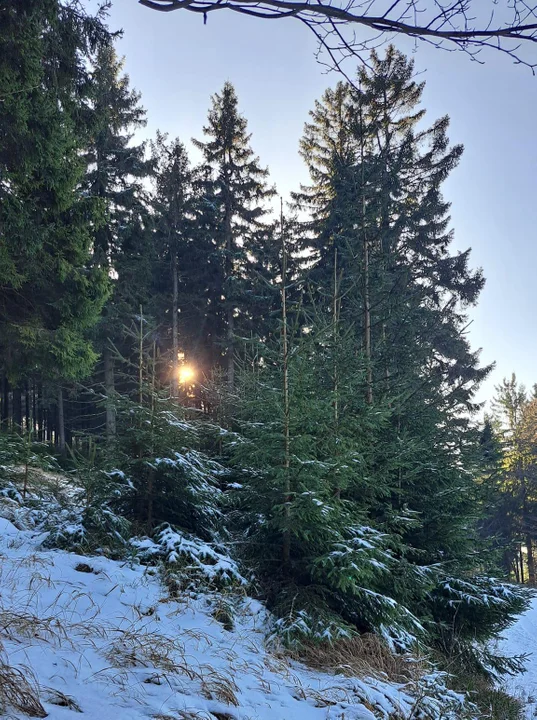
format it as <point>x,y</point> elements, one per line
<point>104,637</point>
<point>521,639</point>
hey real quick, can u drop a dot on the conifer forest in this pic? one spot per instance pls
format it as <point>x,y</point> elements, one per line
<point>254,394</point>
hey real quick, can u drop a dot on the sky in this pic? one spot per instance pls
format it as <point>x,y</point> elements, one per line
<point>176,63</point>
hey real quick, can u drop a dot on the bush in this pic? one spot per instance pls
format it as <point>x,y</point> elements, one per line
<point>97,529</point>
<point>193,563</point>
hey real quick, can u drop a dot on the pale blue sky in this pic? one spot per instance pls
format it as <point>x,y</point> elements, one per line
<point>177,63</point>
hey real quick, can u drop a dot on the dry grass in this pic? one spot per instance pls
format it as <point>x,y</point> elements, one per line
<point>134,649</point>
<point>186,715</point>
<point>217,686</point>
<point>26,625</point>
<point>194,715</point>
<point>18,690</point>
<point>56,697</point>
<point>361,656</point>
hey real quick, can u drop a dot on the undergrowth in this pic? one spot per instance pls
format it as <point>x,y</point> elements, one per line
<point>41,499</point>
<point>493,702</point>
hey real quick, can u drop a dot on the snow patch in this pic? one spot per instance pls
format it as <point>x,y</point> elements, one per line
<point>105,636</point>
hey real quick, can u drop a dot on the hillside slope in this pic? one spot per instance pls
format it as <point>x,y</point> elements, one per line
<point>105,638</point>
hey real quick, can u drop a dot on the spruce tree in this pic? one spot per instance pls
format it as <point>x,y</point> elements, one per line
<point>52,293</point>
<point>515,417</point>
<point>235,191</point>
<point>379,232</point>
<point>498,519</point>
<point>376,206</point>
<point>116,169</point>
<point>180,299</point>
<point>299,464</point>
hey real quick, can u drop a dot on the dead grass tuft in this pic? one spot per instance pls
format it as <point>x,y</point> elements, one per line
<point>56,697</point>
<point>186,715</point>
<point>132,649</point>
<point>27,625</point>
<point>216,686</point>
<point>362,656</point>
<point>18,690</point>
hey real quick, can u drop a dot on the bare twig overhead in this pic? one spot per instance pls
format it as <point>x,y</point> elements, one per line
<point>346,28</point>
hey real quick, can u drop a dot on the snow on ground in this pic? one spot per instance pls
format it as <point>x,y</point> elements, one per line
<point>521,639</point>
<point>105,638</point>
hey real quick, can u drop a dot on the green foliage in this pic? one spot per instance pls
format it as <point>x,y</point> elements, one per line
<point>468,613</point>
<point>336,559</point>
<point>351,475</point>
<point>189,562</point>
<point>97,529</point>
<point>51,293</point>
<point>512,467</point>
<point>115,172</point>
<point>17,451</point>
<point>234,234</point>
<point>171,480</point>
<point>492,702</point>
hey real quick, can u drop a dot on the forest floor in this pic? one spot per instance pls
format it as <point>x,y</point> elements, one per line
<point>115,640</point>
<point>104,637</point>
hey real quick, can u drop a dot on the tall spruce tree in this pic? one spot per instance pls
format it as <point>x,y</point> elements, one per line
<point>376,206</point>
<point>305,450</point>
<point>498,524</point>
<point>116,170</point>
<point>51,292</point>
<point>379,280</point>
<point>181,297</point>
<point>235,192</point>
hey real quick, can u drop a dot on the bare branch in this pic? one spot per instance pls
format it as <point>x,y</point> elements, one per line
<point>509,26</point>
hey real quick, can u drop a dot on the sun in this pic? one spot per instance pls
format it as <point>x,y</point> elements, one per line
<point>186,374</point>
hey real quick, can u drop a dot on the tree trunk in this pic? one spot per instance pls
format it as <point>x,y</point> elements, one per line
<point>40,414</point>
<point>175,329</point>
<point>521,557</point>
<point>50,425</point>
<point>27,406</point>
<point>141,359</point>
<point>150,501</point>
<point>230,350</point>
<point>5,403</point>
<point>286,545</point>
<point>17,408</point>
<point>34,408</point>
<point>366,279</point>
<point>516,567</point>
<point>526,524</point>
<point>335,344</point>
<point>531,560</point>
<point>61,421</point>
<point>230,339</point>
<point>384,228</point>
<point>367,324</point>
<point>109,389</point>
